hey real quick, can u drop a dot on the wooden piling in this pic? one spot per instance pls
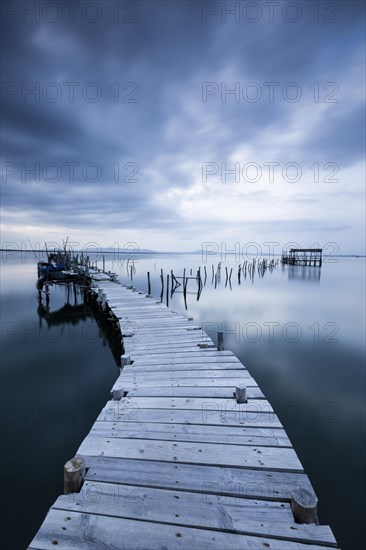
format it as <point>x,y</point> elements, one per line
<point>220,340</point>
<point>74,473</point>
<point>125,360</point>
<point>241,394</point>
<point>304,506</point>
<point>148,283</point>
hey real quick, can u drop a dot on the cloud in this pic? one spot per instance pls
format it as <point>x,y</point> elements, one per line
<point>132,103</point>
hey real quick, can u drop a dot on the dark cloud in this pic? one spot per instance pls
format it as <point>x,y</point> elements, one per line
<point>161,62</point>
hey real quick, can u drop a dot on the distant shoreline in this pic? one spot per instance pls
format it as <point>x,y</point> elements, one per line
<point>154,252</point>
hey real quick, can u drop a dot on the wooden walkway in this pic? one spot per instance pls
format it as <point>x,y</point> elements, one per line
<point>176,462</point>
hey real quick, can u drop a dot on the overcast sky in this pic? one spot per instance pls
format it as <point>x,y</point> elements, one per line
<point>174,123</point>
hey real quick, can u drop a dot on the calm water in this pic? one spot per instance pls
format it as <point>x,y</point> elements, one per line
<point>300,332</point>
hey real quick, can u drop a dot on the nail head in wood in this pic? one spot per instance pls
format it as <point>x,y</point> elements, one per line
<point>304,506</point>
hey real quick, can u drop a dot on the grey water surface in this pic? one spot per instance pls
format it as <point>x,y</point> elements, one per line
<point>299,331</point>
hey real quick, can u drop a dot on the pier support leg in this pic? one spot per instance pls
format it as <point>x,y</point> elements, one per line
<point>74,473</point>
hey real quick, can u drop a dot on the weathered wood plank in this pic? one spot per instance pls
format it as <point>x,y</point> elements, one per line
<point>190,391</point>
<point>79,531</point>
<point>273,437</point>
<point>244,516</point>
<point>186,365</point>
<point>236,482</point>
<point>181,371</point>
<point>118,411</point>
<point>180,358</point>
<point>268,458</point>
<point>196,403</point>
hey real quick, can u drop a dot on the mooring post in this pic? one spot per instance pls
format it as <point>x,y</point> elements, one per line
<point>220,340</point>
<point>117,393</point>
<point>74,473</point>
<point>125,360</point>
<point>241,394</point>
<point>167,290</point>
<point>304,506</point>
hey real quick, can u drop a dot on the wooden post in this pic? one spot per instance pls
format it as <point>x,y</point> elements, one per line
<point>304,506</point>
<point>241,394</point>
<point>100,293</point>
<point>103,264</point>
<point>74,473</point>
<point>148,283</point>
<point>117,393</point>
<point>125,360</point>
<point>220,340</point>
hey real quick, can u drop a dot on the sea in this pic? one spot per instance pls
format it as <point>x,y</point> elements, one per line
<point>300,331</point>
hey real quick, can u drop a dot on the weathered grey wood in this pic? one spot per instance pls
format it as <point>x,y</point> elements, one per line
<point>241,395</point>
<point>95,532</point>
<point>182,358</point>
<point>177,378</point>
<point>195,403</point>
<point>118,411</point>
<point>74,472</point>
<point>235,482</point>
<point>248,516</point>
<point>220,340</point>
<point>268,437</point>
<point>304,506</point>
<point>125,360</point>
<point>159,390</point>
<point>117,392</point>
<point>268,458</point>
<point>221,367</point>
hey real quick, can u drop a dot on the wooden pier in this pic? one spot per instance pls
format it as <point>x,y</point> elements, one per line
<point>187,453</point>
<point>303,256</point>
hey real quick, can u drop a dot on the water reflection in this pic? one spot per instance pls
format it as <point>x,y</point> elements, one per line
<point>83,309</point>
<point>306,273</point>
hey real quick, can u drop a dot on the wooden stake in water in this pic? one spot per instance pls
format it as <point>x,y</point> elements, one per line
<point>220,340</point>
<point>148,283</point>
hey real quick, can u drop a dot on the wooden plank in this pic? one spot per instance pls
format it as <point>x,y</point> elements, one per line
<point>190,391</point>
<point>272,437</point>
<point>235,482</point>
<point>79,531</point>
<point>182,358</point>
<point>192,374</point>
<point>243,456</point>
<point>116,411</point>
<point>244,516</point>
<point>189,365</point>
<point>196,403</point>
